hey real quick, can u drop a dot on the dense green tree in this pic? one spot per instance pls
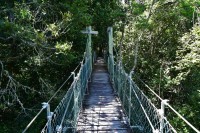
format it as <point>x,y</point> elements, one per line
<point>41,43</point>
<point>168,54</point>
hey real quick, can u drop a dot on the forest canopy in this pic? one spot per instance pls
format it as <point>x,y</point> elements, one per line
<point>41,44</point>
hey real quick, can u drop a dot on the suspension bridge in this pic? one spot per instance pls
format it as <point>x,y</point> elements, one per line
<point>103,98</point>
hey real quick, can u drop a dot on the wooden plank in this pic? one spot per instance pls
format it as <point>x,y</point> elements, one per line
<point>102,112</point>
<point>101,128</point>
<point>105,130</point>
<point>110,117</point>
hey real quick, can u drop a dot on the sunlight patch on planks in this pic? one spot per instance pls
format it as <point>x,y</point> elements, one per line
<point>102,112</point>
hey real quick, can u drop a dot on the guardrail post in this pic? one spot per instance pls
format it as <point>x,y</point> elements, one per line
<point>73,73</point>
<point>58,128</point>
<point>110,56</point>
<point>130,91</point>
<point>76,96</point>
<point>156,131</point>
<point>94,57</point>
<point>162,113</point>
<point>49,116</point>
<point>119,79</point>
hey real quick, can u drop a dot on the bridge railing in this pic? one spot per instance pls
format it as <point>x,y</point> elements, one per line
<point>64,118</point>
<point>110,63</point>
<point>143,116</point>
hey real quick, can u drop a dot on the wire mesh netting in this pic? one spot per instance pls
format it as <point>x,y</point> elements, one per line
<point>143,115</point>
<point>65,116</point>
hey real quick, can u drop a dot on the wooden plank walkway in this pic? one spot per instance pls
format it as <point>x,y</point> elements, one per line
<point>102,112</point>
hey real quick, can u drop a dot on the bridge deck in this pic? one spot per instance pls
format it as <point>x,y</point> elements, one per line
<point>102,111</point>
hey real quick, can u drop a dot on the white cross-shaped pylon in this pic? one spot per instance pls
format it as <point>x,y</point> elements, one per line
<point>89,31</point>
<point>89,43</point>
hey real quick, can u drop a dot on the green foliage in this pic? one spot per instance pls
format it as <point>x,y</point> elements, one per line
<point>188,54</point>
<point>168,56</point>
<point>41,43</point>
<point>81,16</point>
<point>137,8</point>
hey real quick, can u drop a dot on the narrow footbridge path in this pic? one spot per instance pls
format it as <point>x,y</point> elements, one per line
<point>104,98</point>
<point>102,111</point>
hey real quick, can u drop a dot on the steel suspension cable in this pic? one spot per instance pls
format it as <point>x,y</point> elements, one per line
<point>65,112</point>
<point>148,87</point>
<point>31,122</point>
<point>178,114</point>
<point>41,110</point>
<point>187,122</point>
<point>144,110</point>
<point>72,73</point>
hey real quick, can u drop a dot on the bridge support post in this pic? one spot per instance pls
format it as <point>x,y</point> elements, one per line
<point>162,113</point>
<point>89,32</point>
<point>49,116</point>
<point>110,57</point>
<point>130,93</point>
